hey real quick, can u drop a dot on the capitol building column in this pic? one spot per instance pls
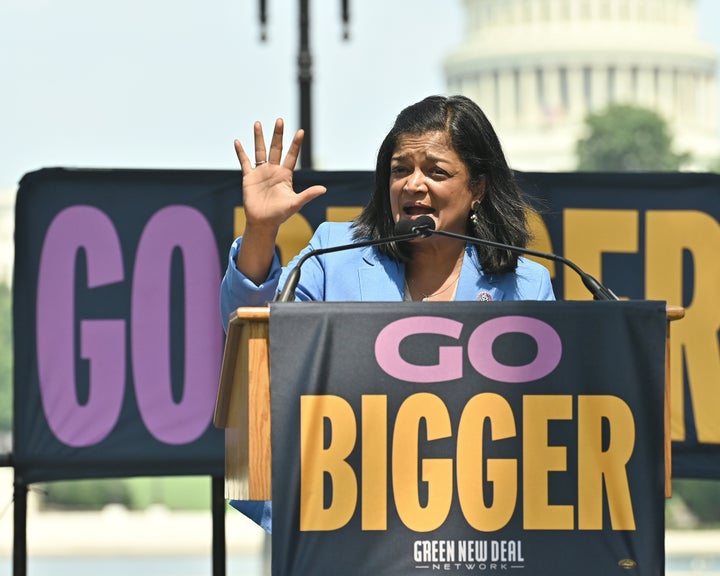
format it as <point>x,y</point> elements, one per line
<point>506,99</point>
<point>486,95</point>
<point>599,89</point>
<point>646,88</point>
<point>709,91</point>
<point>623,85</point>
<point>576,94</point>
<point>553,107</point>
<point>529,110</point>
<point>687,106</point>
<point>666,93</point>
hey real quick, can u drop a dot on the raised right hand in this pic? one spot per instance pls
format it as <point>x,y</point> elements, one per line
<point>268,195</point>
<point>268,198</point>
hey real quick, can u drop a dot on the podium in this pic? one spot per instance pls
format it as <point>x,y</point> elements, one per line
<point>452,436</point>
<point>243,405</point>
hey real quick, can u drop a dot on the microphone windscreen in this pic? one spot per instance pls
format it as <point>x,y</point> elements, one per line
<point>407,226</point>
<point>403,227</point>
<point>424,222</point>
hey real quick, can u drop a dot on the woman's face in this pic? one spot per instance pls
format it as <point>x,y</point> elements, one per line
<point>427,177</point>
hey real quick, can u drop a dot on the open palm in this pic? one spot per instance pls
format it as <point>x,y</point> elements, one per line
<point>268,195</point>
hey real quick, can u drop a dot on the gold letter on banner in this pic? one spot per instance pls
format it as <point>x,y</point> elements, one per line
<point>473,466</point>
<point>672,237</point>
<point>374,462</point>
<point>596,465</point>
<point>540,458</point>
<point>590,233</point>
<point>316,460</point>
<point>436,472</point>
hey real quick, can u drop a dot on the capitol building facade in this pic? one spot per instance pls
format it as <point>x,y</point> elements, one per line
<point>538,67</point>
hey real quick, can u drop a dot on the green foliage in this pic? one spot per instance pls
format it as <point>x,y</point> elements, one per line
<point>624,138</point>
<point>701,497</point>
<point>86,494</point>
<point>5,358</point>
<point>175,493</point>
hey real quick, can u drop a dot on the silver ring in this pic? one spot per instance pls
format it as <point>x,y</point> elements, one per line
<point>260,162</point>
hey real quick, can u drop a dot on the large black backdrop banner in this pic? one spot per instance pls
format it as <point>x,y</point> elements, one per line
<point>117,334</point>
<point>512,437</point>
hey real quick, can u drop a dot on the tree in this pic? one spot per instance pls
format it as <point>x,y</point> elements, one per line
<point>5,358</point>
<point>625,138</point>
<point>702,498</point>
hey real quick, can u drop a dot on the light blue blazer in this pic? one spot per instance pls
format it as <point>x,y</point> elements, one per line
<point>364,275</point>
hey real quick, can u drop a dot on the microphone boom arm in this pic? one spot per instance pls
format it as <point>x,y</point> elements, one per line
<point>598,291</point>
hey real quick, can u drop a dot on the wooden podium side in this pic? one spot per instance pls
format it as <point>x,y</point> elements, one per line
<point>673,313</point>
<point>243,405</point>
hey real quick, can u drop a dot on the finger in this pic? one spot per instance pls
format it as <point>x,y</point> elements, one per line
<point>276,144</point>
<point>309,194</point>
<point>260,152</point>
<point>294,150</point>
<point>245,163</point>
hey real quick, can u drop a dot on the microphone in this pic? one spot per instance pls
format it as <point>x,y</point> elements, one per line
<point>404,230</point>
<point>425,226</point>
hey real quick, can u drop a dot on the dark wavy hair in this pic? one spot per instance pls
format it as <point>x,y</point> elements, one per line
<point>501,215</point>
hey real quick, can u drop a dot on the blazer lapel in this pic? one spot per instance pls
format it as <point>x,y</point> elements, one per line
<point>473,284</point>
<point>381,279</point>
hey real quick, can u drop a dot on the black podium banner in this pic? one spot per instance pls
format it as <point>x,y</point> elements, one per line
<point>467,438</point>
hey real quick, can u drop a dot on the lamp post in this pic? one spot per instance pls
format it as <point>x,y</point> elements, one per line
<point>305,70</point>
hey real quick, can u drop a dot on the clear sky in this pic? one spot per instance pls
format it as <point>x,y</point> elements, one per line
<point>170,83</point>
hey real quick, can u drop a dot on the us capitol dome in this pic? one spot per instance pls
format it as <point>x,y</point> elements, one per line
<point>538,67</point>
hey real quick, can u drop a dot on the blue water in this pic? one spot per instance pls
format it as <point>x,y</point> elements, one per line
<point>707,565</point>
<point>134,566</point>
<point>240,566</point>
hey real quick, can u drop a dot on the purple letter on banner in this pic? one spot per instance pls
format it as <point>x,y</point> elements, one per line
<point>102,342</point>
<point>184,228</point>
<point>450,359</point>
<point>481,354</point>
